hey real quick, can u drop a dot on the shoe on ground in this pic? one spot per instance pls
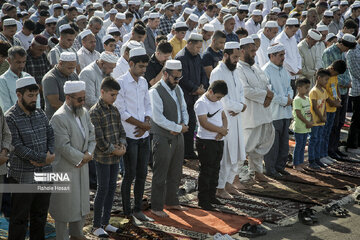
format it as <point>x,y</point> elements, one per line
<point>206,206</point>
<point>333,160</point>
<point>110,228</point>
<point>335,157</point>
<point>142,217</point>
<point>353,150</point>
<point>314,165</point>
<point>326,161</point>
<point>321,164</point>
<point>340,153</point>
<point>100,232</point>
<point>284,172</point>
<point>274,175</point>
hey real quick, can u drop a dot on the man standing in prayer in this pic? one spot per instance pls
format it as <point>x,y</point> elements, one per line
<point>259,132</point>
<point>74,148</point>
<point>266,39</point>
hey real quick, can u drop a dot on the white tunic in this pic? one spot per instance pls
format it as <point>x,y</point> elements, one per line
<point>217,24</point>
<point>122,66</point>
<point>251,27</point>
<point>261,53</point>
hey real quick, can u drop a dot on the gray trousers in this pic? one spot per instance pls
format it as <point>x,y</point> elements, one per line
<point>168,157</point>
<point>277,157</point>
<point>64,229</point>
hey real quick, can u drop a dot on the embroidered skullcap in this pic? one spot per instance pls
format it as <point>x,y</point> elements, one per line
<point>140,51</point>
<point>256,12</point>
<point>271,24</point>
<point>50,20</point>
<point>80,17</point>
<point>188,11</point>
<point>107,37</point>
<point>225,10</point>
<point>349,38</point>
<point>25,81</point>
<point>329,36</point>
<point>322,27</point>
<point>209,27</point>
<point>173,65</point>
<point>113,11</point>
<point>292,21</point>
<point>120,16</point>
<point>108,57</point>
<point>64,27</point>
<point>232,45</point>
<point>154,15</point>
<point>243,7</point>
<point>194,17</point>
<point>196,37</point>
<point>74,87</point>
<point>328,13</point>
<point>67,57</point>
<point>287,5</point>
<point>227,17</point>
<point>9,22</point>
<point>278,47</point>
<point>112,30</point>
<point>84,33</point>
<point>247,40</point>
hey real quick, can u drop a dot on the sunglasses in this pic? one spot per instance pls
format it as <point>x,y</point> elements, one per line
<point>79,99</point>
<point>175,78</point>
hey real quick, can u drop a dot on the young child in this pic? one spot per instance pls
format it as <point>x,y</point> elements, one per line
<point>109,43</point>
<point>302,121</point>
<point>114,31</point>
<point>332,103</point>
<point>318,97</point>
<point>110,147</point>
<point>209,141</point>
<point>178,42</point>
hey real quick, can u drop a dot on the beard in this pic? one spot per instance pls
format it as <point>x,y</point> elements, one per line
<point>78,111</point>
<point>31,107</point>
<point>171,85</point>
<point>231,66</point>
<point>248,59</point>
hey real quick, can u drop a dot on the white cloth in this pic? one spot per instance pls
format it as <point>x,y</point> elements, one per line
<point>251,27</point>
<point>122,66</point>
<point>205,45</point>
<point>25,40</point>
<point>206,16</point>
<point>292,60</point>
<point>188,33</point>
<point>217,24</point>
<point>261,53</point>
<point>157,109</point>
<point>133,101</point>
<point>238,23</point>
<point>86,57</point>
<point>213,110</point>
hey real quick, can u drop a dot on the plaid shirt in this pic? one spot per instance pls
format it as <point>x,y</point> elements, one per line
<point>14,42</point>
<point>353,60</point>
<point>108,132</point>
<point>332,54</point>
<point>32,138</point>
<point>37,67</point>
<point>166,25</point>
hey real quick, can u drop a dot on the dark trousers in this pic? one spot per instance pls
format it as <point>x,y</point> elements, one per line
<point>275,160</point>
<point>210,154</point>
<point>189,135</point>
<point>353,140</point>
<point>339,121</point>
<point>135,162</point>
<point>92,174</point>
<point>23,205</point>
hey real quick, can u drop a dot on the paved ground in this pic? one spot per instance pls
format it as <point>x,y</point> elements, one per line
<point>329,228</point>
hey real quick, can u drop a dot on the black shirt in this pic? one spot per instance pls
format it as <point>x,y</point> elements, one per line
<point>211,58</point>
<point>153,69</point>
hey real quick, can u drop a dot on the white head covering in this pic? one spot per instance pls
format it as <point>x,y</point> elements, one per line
<point>107,37</point>
<point>196,36</point>
<point>80,17</point>
<point>25,81</point>
<point>74,87</point>
<point>99,14</point>
<point>113,11</point>
<point>328,13</point>
<point>67,57</point>
<point>278,47</point>
<point>140,51</point>
<point>84,33</point>
<point>120,16</point>
<point>9,22</point>
<point>232,45</point>
<point>173,65</point>
<point>154,15</point>
<point>188,11</point>
<point>112,30</point>
<point>271,24</point>
<point>227,17</point>
<point>256,12</point>
<point>209,27</point>
<point>246,40</point>
<point>321,28</point>
<point>108,57</point>
<point>330,35</point>
<point>194,17</point>
<point>50,20</point>
<point>254,36</point>
<point>314,34</point>
<point>64,27</point>
<point>349,38</point>
<point>292,21</point>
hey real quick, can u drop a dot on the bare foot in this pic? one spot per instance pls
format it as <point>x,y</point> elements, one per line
<point>221,193</point>
<point>231,189</point>
<point>160,213</point>
<point>237,184</point>
<point>177,207</point>
<point>261,177</point>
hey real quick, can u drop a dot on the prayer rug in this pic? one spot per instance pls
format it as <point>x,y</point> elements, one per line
<point>342,168</point>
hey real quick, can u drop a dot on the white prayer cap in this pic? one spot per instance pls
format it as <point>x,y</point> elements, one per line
<point>144,18</point>
<point>247,40</point>
<point>57,5</point>
<point>218,5</point>
<point>234,3</point>
<point>298,2</point>
<point>112,30</point>
<point>64,1</point>
<point>140,51</point>
<point>167,5</point>
<point>243,7</point>
<point>254,36</point>
<point>314,34</point>
<point>288,5</point>
<point>356,4</point>
<point>159,5</point>
<point>31,10</point>
<point>50,20</point>
<point>335,9</point>
<point>147,4</point>
<point>292,21</point>
<point>349,38</point>
<point>342,3</point>
<point>107,37</point>
<point>209,27</point>
<point>131,2</point>
<point>194,17</point>
<point>65,7</point>
<point>232,45</point>
<point>225,10</point>
<point>291,15</point>
<point>173,65</point>
<point>99,14</point>
<point>329,36</point>
<point>154,15</point>
<point>80,17</point>
<point>256,12</point>
<point>328,13</point>
<point>176,4</point>
<point>304,13</point>
<point>188,11</point>
<point>322,27</point>
<point>9,22</point>
<point>147,13</point>
<point>227,17</point>
<point>67,57</point>
<point>180,25</point>
<point>64,27</point>
<point>278,47</point>
<point>133,44</point>
<point>275,10</point>
<point>24,13</point>
<point>113,11</point>
<point>74,87</point>
<point>137,3</point>
<point>25,81</point>
<point>271,24</point>
<point>196,37</point>
<point>120,16</point>
<point>203,20</point>
<point>108,56</point>
<point>123,4</point>
<point>85,33</point>
<point>97,5</point>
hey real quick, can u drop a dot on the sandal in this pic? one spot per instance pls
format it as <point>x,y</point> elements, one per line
<point>305,218</point>
<point>336,211</point>
<point>250,231</point>
<point>311,213</point>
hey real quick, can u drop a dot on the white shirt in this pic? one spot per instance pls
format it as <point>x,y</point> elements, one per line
<point>213,110</point>
<point>25,40</point>
<point>238,23</point>
<point>207,17</point>
<point>122,66</point>
<point>261,53</point>
<point>251,27</point>
<point>133,101</point>
<point>188,33</point>
<point>292,61</point>
<point>205,45</point>
<point>157,109</point>
<point>86,57</point>
<point>217,24</point>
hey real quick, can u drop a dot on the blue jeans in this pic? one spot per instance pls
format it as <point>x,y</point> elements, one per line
<point>300,143</point>
<point>135,162</point>
<point>107,175</point>
<point>315,141</point>
<point>330,116</point>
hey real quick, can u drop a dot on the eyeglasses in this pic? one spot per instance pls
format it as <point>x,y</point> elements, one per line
<point>176,78</point>
<point>79,99</point>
